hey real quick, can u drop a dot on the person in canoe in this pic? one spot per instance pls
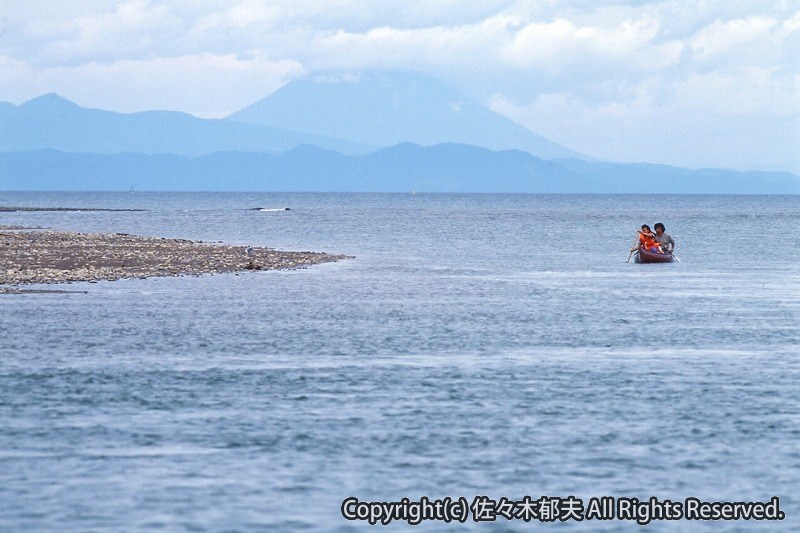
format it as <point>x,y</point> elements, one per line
<point>663,238</point>
<point>647,240</point>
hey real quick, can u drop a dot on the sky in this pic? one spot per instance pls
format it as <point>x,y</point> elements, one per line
<point>693,83</point>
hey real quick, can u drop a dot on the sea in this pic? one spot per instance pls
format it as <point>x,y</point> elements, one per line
<point>477,352</point>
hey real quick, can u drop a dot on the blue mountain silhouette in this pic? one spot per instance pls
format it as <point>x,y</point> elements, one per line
<point>51,121</point>
<point>50,143</point>
<point>387,108</point>
<point>401,168</point>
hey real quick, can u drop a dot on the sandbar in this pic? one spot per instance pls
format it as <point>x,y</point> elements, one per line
<point>35,256</point>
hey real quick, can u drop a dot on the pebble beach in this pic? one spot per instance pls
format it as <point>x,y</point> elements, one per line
<point>44,256</point>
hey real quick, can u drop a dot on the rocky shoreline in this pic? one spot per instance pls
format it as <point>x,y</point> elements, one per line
<point>35,256</point>
<point>12,209</point>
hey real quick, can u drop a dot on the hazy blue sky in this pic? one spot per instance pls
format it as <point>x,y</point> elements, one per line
<point>692,83</point>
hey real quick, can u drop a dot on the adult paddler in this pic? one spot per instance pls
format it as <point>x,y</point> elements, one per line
<point>663,238</point>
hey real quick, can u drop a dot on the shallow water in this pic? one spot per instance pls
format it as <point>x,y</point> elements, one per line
<point>477,345</point>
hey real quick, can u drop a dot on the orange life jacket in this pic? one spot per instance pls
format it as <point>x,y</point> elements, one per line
<point>647,241</point>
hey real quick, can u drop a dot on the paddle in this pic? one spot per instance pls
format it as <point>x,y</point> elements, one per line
<point>675,256</point>
<point>633,248</point>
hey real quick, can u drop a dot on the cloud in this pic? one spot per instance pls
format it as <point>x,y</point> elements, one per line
<point>750,40</point>
<point>129,30</point>
<point>557,45</point>
<point>707,119</point>
<point>206,85</point>
<point>435,47</point>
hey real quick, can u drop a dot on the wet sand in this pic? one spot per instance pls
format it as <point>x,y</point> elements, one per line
<point>30,256</point>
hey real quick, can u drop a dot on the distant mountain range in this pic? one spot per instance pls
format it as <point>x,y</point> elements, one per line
<point>50,121</point>
<point>388,108</point>
<point>402,168</point>
<point>372,132</point>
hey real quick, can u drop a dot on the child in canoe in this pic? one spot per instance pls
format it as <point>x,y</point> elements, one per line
<point>647,240</point>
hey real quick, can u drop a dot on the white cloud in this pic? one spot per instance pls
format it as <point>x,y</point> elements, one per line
<point>437,47</point>
<point>560,43</point>
<point>206,85</point>
<point>752,40</point>
<point>706,119</point>
<point>129,30</point>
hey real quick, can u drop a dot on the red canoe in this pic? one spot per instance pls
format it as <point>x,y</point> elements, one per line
<point>645,256</point>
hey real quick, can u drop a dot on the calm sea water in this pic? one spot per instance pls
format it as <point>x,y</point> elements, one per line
<point>477,345</point>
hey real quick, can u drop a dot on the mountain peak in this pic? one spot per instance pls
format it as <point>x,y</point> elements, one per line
<point>390,107</point>
<point>51,100</point>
